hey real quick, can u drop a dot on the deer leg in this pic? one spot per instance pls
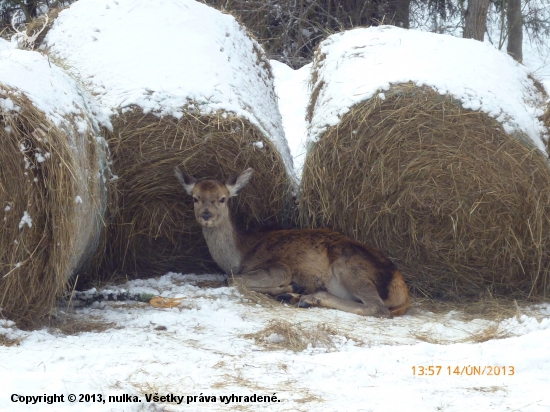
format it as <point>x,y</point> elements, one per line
<point>371,304</point>
<point>350,289</point>
<point>271,280</point>
<point>292,298</point>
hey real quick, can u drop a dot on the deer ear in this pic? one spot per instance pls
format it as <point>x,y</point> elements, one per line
<point>237,182</point>
<point>188,182</point>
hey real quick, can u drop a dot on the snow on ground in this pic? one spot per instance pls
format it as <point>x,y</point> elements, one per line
<point>363,62</point>
<point>218,343</point>
<point>163,55</point>
<point>5,45</point>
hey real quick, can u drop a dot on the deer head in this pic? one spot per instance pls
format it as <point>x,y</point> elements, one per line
<point>210,196</point>
<point>23,37</point>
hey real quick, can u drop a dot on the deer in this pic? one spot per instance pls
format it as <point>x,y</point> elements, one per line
<point>304,267</point>
<point>22,36</point>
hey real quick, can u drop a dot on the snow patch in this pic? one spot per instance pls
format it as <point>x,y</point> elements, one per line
<point>8,105</point>
<point>39,157</point>
<point>275,338</point>
<point>25,220</point>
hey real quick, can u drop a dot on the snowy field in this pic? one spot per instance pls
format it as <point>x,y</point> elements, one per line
<point>220,343</point>
<point>221,349</point>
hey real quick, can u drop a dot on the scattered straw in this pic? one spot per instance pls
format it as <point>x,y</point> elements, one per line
<point>488,389</point>
<point>51,201</point>
<point>6,341</point>
<point>151,226</point>
<point>459,204</point>
<point>281,334</point>
<point>488,308</point>
<point>491,332</point>
<point>237,379</point>
<point>70,325</point>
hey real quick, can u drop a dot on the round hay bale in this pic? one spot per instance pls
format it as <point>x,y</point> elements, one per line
<point>206,105</point>
<point>456,197</point>
<point>52,194</point>
<point>152,228</point>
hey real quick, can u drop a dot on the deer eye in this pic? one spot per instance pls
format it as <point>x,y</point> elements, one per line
<point>195,200</point>
<point>222,200</point>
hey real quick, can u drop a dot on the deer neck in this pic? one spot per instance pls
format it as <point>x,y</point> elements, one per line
<point>226,245</point>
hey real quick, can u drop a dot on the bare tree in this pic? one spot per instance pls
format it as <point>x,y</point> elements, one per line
<point>28,7</point>
<point>400,10</point>
<point>290,30</point>
<point>476,19</point>
<point>22,12</point>
<point>515,29</point>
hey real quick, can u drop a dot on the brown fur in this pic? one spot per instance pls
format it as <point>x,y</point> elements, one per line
<point>331,269</point>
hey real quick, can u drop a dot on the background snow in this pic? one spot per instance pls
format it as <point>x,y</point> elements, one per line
<point>162,55</point>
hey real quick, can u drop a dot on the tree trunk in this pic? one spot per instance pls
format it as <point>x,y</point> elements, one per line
<point>476,19</point>
<point>23,5</point>
<point>515,30</point>
<point>401,13</point>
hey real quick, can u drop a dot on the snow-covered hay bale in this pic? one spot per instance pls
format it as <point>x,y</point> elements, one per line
<point>52,195</point>
<point>418,148</point>
<point>190,89</point>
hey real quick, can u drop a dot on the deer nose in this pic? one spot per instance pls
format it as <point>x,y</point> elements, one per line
<point>206,215</point>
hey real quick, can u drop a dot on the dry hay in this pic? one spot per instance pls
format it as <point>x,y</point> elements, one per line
<point>458,203</point>
<point>491,332</point>
<point>73,325</point>
<point>151,225</point>
<point>281,334</point>
<point>5,340</point>
<point>43,168</point>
